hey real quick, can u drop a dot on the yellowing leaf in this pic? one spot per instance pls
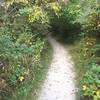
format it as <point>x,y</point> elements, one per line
<point>21,78</point>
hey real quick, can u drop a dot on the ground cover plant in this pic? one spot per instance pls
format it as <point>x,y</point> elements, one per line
<point>23,25</point>
<point>21,46</point>
<point>80,24</point>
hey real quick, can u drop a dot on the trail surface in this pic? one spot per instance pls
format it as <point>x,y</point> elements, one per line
<point>59,83</point>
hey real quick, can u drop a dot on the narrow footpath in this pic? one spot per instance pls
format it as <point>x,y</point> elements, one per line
<point>59,83</point>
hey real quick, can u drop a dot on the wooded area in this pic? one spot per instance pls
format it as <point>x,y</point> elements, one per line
<point>24,25</point>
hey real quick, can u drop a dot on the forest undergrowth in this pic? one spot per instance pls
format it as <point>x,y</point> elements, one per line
<point>23,26</point>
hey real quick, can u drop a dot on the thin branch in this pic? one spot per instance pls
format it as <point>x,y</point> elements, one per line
<point>6,15</point>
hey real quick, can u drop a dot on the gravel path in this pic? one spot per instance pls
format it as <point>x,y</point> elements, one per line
<point>59,84</point>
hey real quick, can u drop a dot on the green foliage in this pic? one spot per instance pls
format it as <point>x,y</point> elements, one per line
<point>91,83</point>
<point>21,57</point>
<point>90,19</point>
<point>22,23</point>
<point>87,50</point>
<point>20,51</point>
<point>74,18</point>
<point>87,59</point>
<point>65,24</point>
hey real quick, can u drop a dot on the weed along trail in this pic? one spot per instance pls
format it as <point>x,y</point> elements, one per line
<point>59,83</point>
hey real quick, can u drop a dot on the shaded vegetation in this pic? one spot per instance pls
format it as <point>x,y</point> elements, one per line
<point>79,25</point>
<point>23,26</point>
<point>23,62</point>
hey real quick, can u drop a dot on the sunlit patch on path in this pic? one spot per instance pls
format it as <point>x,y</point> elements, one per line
<point>59,84</point>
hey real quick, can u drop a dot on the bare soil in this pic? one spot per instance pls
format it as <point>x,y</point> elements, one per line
<point>59,83</point>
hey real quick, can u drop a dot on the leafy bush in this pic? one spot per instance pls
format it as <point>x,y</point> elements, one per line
<point>87,60</point>
<point>20,58</point>
<point>22,23</point>
<point>65,25</point>
<point>91,18</point>
<point>20,53</point>
<point>88,48</point>
<point>91,83</point>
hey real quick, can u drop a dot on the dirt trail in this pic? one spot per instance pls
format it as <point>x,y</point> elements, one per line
<point>59,84</point>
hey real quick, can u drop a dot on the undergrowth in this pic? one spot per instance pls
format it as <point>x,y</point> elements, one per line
<point>79,27</point>
<point>30,88</point>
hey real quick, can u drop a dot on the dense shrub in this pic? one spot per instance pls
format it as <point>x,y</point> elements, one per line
<point>22,25</point>
<point>20,52</point>
<point>65,24</point>
<point>91,83</point>
<point>88,65</point>
<point>80,21</point>
<point>18,58</point>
